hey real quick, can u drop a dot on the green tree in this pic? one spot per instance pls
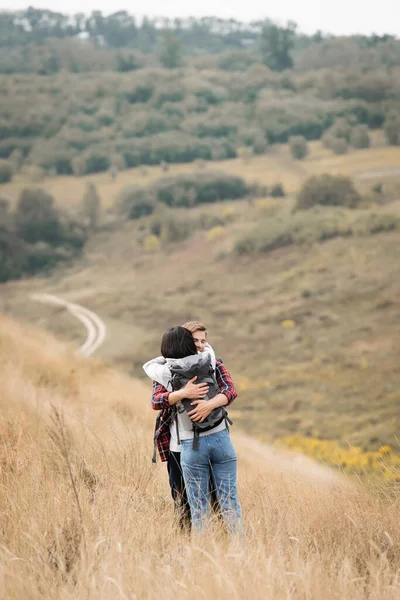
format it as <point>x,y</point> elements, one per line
<point>91,206</point>
<point>36,217</point>
<point>170,55</point>
<point>276,45</point>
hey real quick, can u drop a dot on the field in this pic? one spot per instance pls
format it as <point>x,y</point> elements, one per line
<point>83,514</point>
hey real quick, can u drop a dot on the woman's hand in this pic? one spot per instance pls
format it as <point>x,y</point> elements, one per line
<point>195,391</point>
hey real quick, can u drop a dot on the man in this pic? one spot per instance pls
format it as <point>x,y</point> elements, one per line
<point>165,435</point>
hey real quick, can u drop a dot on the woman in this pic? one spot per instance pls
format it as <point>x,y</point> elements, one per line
<point>215,456</point>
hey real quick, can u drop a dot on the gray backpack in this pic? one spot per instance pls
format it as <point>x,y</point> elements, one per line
<point>198,365</point>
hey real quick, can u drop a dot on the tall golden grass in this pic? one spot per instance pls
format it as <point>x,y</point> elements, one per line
<point>84,514</point>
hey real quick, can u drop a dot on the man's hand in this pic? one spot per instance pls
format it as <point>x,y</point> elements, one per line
<point>201,411</point>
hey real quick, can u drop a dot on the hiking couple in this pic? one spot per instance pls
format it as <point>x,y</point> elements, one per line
<point>191,389</point>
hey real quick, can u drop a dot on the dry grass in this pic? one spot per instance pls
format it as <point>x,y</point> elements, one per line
<point>276,166</point>
<point>104,529</point>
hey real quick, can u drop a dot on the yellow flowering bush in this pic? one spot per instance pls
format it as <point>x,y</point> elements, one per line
<point>384,463</point>
<point>151,243</point>
<point>215,233</point>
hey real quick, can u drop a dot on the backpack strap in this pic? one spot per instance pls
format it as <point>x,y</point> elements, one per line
<point>156,431</point>
<point>177,427</point>
<point>196,437</point>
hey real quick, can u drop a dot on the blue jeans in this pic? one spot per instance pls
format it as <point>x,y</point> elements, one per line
<point>215,457</point>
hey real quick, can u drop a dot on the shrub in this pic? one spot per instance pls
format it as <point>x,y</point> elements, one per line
<point>316,225</point>
<point>327,190</point>
<point>300,228</point>
<point>78,165</point>
<point>199,188</point>
<point>33,173</point>
<point>341,129</point>
<point>360,137</point>
<point>298,147</point>
<point>245,153</point>
<point>338,145</point>
<point>134,202</point>
<point>277,191</point>
<point>6,171</point>
<point>151,243</point>
<point>96,161</point>
<point>16,159</point>
<point>392,129</point>
<point>215,233</point>
<point>91,206</point>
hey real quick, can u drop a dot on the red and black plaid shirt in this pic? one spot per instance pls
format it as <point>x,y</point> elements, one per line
<point>159,401</point>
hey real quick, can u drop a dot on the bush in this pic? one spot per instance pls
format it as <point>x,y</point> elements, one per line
<point>298,147</point>
<point>277,191</point>
<point>6,171</point>
<point>327,190</point>
<point>392,129</point>
<point>199,188</point>
<point>134,202</point>
<point>317,225</point>
<point>151,243</point>
<point>338,145</point>
<point>91,206</point>
<point>360,137</point>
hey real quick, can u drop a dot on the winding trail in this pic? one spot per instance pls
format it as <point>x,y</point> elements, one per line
<point>95,327</point>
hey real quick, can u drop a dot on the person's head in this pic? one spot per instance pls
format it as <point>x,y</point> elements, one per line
<point>199,333</point>
<point>177,342</point>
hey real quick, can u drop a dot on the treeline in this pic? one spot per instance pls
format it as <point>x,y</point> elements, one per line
<point>44,42</point>
<point>74,124</point>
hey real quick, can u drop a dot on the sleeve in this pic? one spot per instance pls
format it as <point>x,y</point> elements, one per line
<point>209,350</point>
<point>157,369</point>
<point>225,382</point>
<point>159,397</point>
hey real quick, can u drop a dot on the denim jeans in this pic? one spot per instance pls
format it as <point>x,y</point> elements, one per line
<point>215,457</point>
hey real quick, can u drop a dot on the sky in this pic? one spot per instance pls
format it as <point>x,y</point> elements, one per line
<point>337,16</point>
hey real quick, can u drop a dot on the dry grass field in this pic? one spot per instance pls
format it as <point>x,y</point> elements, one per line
<point>84,514</point>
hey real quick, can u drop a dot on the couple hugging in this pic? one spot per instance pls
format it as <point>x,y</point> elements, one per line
<point>191,389</point>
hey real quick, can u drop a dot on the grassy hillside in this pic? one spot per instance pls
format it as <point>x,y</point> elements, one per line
<point>310,330</point>
<point>83,513</point>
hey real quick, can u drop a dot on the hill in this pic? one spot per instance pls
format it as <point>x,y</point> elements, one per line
<point>309,329</point>
<point>83,513</point>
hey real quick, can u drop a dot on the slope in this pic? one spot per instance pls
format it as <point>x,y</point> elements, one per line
<point>84,515</point>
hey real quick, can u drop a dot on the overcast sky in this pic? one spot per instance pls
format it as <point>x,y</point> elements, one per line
<point>335,16</point>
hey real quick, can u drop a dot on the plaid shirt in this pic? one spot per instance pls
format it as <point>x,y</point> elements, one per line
<point>159,401</point>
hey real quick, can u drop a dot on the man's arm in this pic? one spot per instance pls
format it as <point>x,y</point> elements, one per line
<point>157,369</point>
<point>209,350</point>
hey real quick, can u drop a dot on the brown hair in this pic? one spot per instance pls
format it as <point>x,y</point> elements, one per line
<point>177,342</point>
<point>193,326</point>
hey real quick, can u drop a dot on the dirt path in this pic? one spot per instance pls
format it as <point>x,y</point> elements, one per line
<point>96,330</point>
